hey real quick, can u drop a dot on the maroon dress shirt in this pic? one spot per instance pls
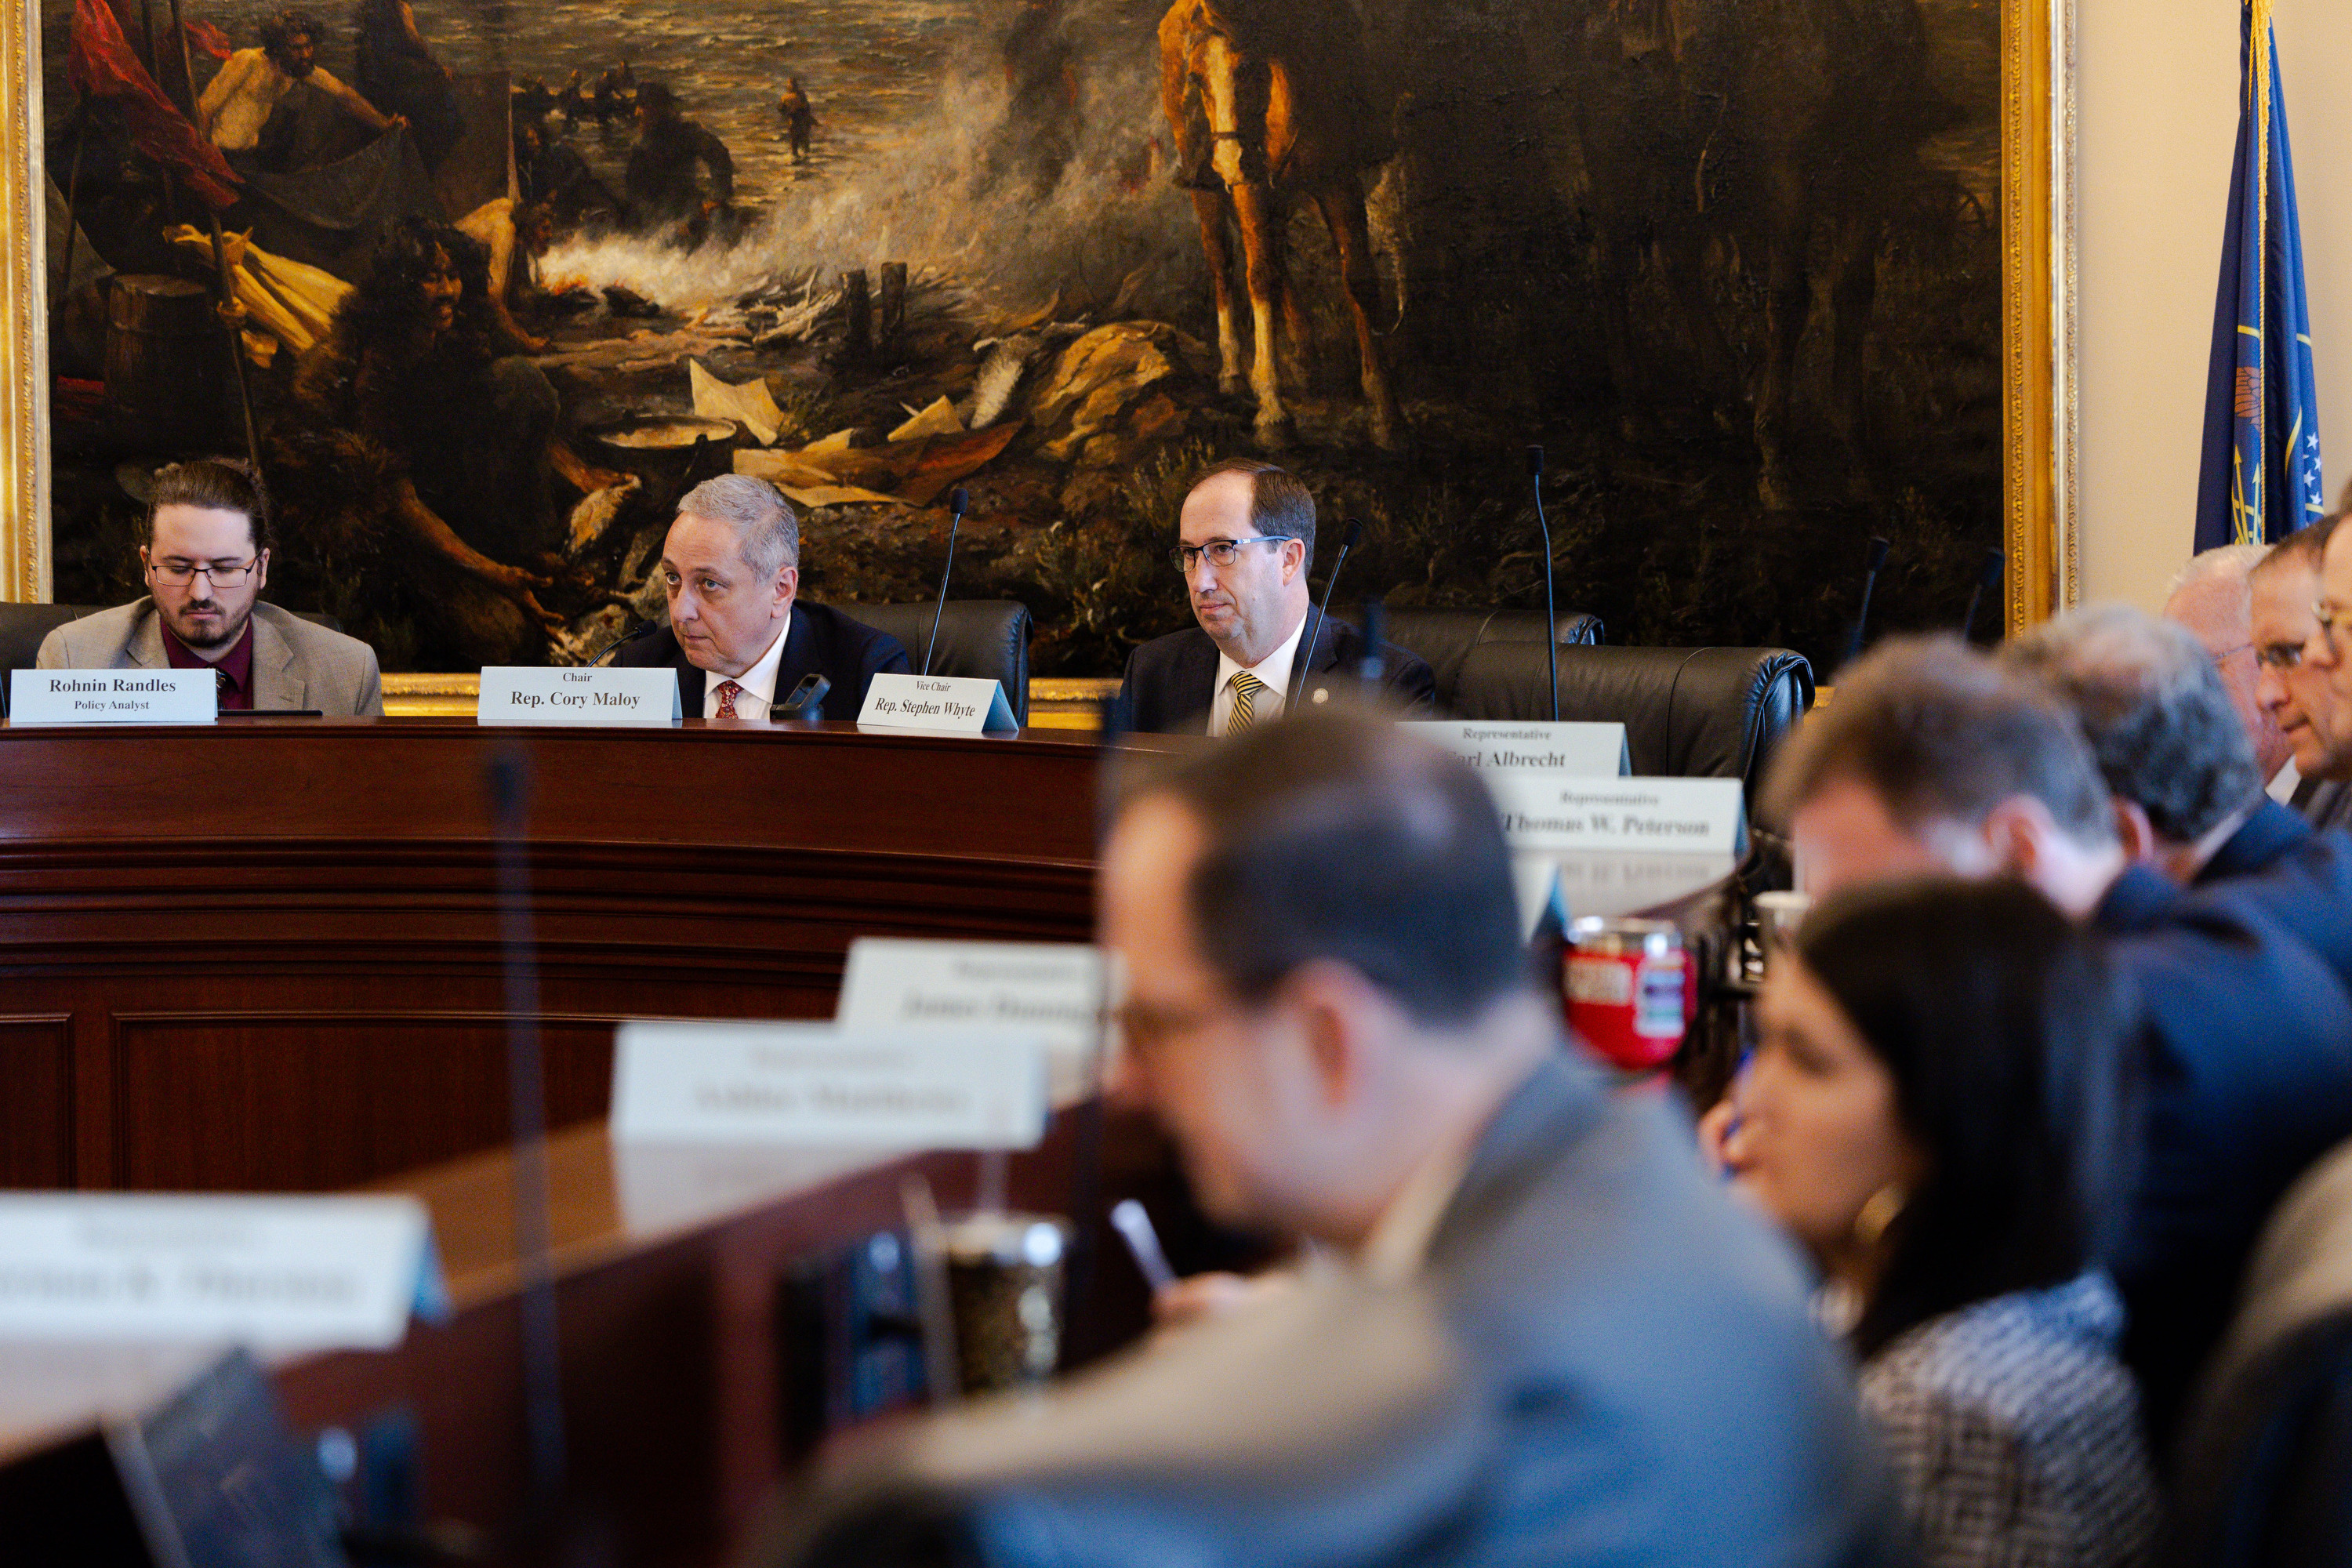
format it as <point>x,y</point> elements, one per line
<point>233,673</point>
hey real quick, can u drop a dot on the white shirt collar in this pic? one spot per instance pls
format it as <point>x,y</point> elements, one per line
<point>758,682</point>
<point>1274,670</point>
<point>2285,782</point>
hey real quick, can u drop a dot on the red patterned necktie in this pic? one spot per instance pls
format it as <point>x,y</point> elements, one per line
<point>726,690</point>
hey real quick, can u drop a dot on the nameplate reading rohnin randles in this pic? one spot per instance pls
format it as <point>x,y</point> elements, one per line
<point>522,694</point>
<point>1681,816</point>
<point>815,1085</point>
<point>113,697</point>
<point>1581,749</point>
<point>964,703</point>
<point>276,1273</point>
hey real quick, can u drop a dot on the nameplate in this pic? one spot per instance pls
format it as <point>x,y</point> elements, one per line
<point>572,694</point>
<point>1585,751</point>
<point>817,1085</point>
<point>960,702</point>
<point>279,1274</point>
<point>1683,816</point>
<point>1052,988</point>
<point>113,697</point>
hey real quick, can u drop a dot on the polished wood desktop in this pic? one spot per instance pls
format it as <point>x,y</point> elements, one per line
<point>265,954</point>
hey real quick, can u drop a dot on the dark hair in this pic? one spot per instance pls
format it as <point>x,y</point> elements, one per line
<point>2306,545</point>
<point>657,96</point>
<point>217,484</point>
<point>1280,506</point>
<point>1337,835</point>
<point>281,29</point>
<point>385,312</point>
<point>1935,730</point>
<point>2151,703</point>
<point>2005,1031</point>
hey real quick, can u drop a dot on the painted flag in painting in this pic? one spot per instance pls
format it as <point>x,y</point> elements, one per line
<point>2261,478</point>
<point>101,63</point>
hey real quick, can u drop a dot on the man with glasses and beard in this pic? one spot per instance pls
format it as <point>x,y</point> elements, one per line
<point>207,559</point>
<point>1244,540</point>
<point>237,104</point>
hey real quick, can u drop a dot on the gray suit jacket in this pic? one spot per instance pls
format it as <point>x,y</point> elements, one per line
<point>1603,1362</point>
<point>296,665</point>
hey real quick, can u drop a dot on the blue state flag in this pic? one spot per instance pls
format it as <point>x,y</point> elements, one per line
<point>2261,479</point>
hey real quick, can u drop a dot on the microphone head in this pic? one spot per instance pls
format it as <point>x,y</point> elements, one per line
<point>1535,462</point>
<point>1353,537</point>
<point>1878,548</point>
<point>958,499</point>
<point>1994,561</point>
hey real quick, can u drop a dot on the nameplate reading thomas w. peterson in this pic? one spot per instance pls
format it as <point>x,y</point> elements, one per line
<point>113,697</point>
<point>815,1085</point>
<point>964,703</point>
<point>573,694</point>
<point>1683,816</point>
<point>276,1273</point>
<point>1583,750</point>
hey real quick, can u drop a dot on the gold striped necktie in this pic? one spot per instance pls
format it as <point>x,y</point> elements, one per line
<point>1245,689</point>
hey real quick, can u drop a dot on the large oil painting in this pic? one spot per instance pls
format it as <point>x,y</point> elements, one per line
<point>483,285</point>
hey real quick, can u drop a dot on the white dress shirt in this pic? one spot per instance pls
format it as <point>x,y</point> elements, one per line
<point>1273,671</point>
<point>2285,782</point>
<point>758,682</point>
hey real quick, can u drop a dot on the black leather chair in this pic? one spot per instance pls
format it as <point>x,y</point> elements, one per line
<point>1688,713</point>
<point>2264,1477</point>
<point>1444,638</point>
<point>984,638</point>
<point>22,627</point>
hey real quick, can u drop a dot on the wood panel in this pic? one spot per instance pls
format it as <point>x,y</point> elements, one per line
<point>36,1100</point>
<point>266,956</point>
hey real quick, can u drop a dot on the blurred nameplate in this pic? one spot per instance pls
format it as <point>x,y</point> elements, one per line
<point>1585,751</point>
<point>1627,882</point>
<point>278,1273</point>
<point>964,703</point>
<point>818,1085</point>
<point>519,694</point>
<point>1055,988</point>
<point>1543,907</point>
<point>113,697</point>
<point>1683,816</point>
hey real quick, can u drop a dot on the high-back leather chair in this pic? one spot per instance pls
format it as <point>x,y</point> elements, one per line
<point>1444,638</point>
<point>1688,713</point>
<point>988,638</point>
<point>2264,1476</point>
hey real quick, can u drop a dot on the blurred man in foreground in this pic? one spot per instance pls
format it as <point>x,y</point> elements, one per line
<point>1542,1334</point>
<point>1934,760</point>
<point>1243,542</point>
<point>2213,597</point>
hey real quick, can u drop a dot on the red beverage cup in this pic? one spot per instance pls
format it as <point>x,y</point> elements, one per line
<point>1627,986</point>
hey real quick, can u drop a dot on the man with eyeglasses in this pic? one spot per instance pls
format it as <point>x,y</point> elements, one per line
<point>1244,541</point>
<point>2213,598</point>
<point>207,559</point>
<point>2294,667</point>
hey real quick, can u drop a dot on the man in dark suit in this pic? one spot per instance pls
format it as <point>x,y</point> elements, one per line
<point>2293,665</point>
<point>739,636</point>
<point>1539,1333</point>
<point>1935,758</point>
<point>1245,538</point>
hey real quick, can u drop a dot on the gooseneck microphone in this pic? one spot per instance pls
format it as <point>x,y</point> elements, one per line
<point>1303,661</point>
<point>644,630</point>
<point>1988,576</point>
<point>958,499</point>
<point>1873,562</point>
<point>1552,617</point>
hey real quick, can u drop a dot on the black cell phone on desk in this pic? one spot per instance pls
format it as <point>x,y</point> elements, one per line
<point>807,700</point>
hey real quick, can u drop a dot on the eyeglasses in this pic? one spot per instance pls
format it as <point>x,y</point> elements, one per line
<point>1220,552</point>
<point>180,573</point>
<point>2279,656</point>
<point>2330,616</point>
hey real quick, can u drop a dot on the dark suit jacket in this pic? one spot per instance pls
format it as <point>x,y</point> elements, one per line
<point>2298,879</point>
<point>2323,803</point>
<point>2247,1076</point>
<point>1604,1360</point>
<point>1171,680</point>
<point>822,641</point>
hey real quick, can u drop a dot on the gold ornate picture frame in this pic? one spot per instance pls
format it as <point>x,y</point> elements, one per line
<point>2038,312</point>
